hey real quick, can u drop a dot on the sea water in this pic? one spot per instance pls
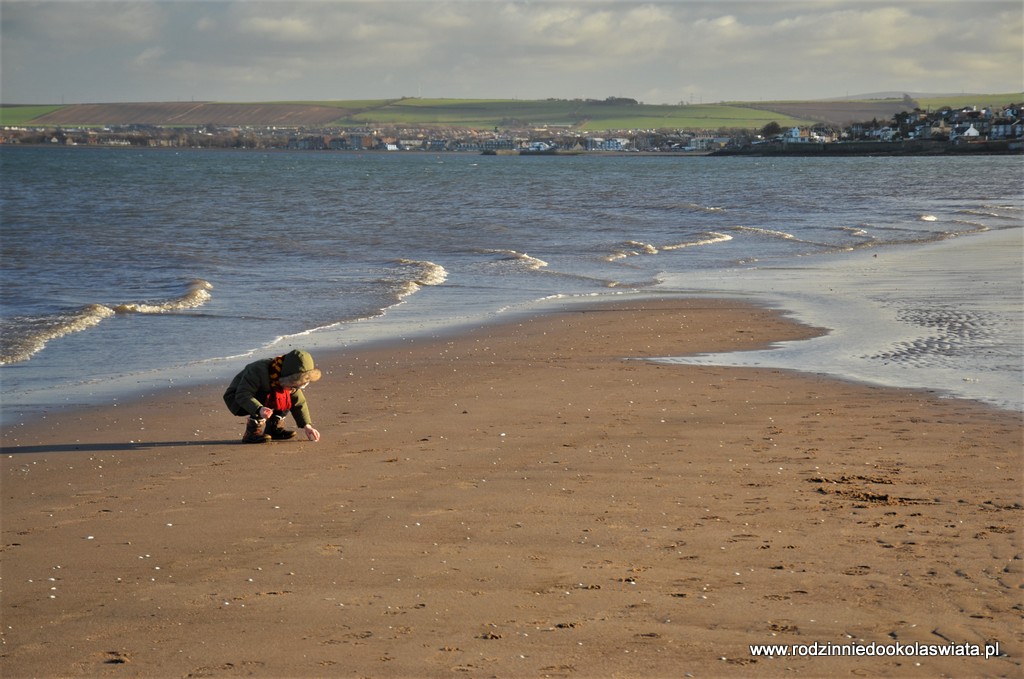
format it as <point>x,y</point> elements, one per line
<point>128,269</point>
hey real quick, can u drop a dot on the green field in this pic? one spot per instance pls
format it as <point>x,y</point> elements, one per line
<point>579,114</point>
<point>590,116</point>
<point>19,115</point>
<point>344,103</point>
<point>964,100</point>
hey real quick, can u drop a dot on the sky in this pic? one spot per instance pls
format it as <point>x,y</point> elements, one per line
<point>657,52</point>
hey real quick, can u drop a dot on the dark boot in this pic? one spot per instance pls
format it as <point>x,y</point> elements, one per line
<point>276,431</point>
<point>254,431</point>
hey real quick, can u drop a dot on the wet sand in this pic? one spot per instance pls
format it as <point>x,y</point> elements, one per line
<point>522,500</point>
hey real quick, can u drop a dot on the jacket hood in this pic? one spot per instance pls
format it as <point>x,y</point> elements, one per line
<point>297,368</point>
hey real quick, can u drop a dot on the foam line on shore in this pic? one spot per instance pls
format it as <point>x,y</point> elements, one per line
<point>956,295</point>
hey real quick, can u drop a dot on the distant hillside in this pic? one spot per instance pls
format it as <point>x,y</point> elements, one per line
<point>839,113</point>
<point>190,114</point>
<point>845,112</point>
<point>584,115</point>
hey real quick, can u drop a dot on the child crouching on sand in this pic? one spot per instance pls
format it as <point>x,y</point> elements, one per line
<point>267,390</point>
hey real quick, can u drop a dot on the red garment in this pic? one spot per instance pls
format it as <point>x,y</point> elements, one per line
<point>280,398</point>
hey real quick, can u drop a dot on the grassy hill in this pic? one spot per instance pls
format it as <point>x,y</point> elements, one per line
<point>935,102</point>
<point>20,115</point>
<point>582,115</point>
<point>847,111</point>
<point>407,112</point>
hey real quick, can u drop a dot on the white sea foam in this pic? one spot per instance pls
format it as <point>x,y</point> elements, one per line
<point>425,273</point>
<point>25,336</point>
<point>928,218</point>
<point>704,208</point>
<point>646,248</point>
<point>783,235</point>
<point>856,231</point>
<point>642,248</point>
<point>994,212</point>
<point>528,261</point>
<point>709,238</point>
<point>197,295</point>
<point>972,227</point>
<point>417,274</point>
<point>767,232</point>
<point>407,288</point>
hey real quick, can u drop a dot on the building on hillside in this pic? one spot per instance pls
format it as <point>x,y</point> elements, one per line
<point>966,133</point>
<point>602,144</point>
<point>1007,128</point>
<point>707,142</point>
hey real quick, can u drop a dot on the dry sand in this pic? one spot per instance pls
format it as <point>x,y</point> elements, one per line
<point>521,501</point>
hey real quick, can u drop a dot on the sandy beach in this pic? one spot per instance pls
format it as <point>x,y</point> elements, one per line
<point>524,500</point>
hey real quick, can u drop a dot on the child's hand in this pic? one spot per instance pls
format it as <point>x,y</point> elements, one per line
<point>265,412</point>
<point>311,433</point>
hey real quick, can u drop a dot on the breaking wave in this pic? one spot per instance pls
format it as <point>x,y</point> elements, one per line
<point>697,207</point>
<point>637,248</point>
<point>522,258</point>
<point>767,232</point>
<point>783,235</point>
<point>856,231</point>
<point>21,337</point>
<point>419,274</point>
<point>994,212</point>
<point>710,238</point>
<point>198,294</point>
<point>645,248</point>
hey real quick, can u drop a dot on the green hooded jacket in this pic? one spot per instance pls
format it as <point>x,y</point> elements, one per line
<point>249,388</point>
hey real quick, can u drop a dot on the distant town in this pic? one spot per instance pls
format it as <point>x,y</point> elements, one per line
<point>947,130</point>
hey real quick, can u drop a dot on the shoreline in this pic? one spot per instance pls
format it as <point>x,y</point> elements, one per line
<point>406,324</point>
<point>357,337</point>
<point>829,293</point>
<point>523,498</point>
<point>906,148</point>
<point>845,293</point>
<point>795,150</point>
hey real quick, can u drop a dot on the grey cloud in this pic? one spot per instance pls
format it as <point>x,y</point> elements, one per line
<point>657,51</point>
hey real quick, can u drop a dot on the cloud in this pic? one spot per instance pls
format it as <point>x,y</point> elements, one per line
<point>205,24</point>
<point>655,51</point>
<point>74,26</point>
<point>281,28</point>
<point>149,55</point>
